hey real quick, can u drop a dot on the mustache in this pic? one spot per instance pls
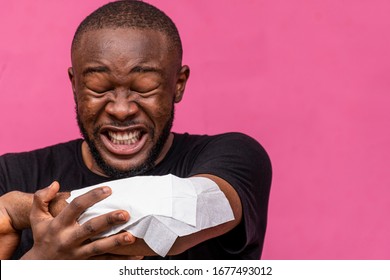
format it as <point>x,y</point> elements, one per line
<point>97,129</point>
<point>118,124</point>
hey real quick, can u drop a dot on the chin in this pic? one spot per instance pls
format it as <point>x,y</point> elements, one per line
<point>122,167</point>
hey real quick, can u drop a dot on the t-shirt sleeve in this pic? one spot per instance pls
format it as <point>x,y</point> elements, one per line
<point>7,169</point>
<point>15,170</point>
<point>244,164</point>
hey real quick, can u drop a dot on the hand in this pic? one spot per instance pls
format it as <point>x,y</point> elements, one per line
<point>9,237</point>
<point>63,238</point>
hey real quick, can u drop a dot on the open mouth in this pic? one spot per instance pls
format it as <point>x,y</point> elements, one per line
<point>124,141</point>
<point>124,138</point>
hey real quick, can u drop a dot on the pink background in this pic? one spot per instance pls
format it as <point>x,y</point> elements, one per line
<point>308,79</point>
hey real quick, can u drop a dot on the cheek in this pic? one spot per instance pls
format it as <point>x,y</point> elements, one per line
<point>158,109</point>
<point>88,109</point>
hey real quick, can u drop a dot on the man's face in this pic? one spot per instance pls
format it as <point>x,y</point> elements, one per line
<point>125,83</point>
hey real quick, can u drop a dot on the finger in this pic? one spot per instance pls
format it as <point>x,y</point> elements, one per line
<point>40,206</point>
<point>97,225</point>
<point>73,210</point>
<point>58,203</point>
<point>107,244</point>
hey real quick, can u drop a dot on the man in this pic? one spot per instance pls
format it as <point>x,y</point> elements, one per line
<point>126,76</point>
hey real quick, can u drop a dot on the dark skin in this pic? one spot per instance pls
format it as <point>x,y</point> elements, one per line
<point>125,83</point>
<point>9,236</point>
<point>125,88</point>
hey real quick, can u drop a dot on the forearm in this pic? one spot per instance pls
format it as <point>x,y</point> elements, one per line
<point>18,206</point>
<point>227,204</point>
<point>186,242</point>
<point>12,221</point>
<point>140,248</point>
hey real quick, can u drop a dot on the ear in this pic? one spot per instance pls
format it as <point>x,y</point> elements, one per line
<point>71,78</point>
<point>181,82</point>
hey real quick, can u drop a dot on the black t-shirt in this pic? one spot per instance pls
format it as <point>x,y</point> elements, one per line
<point>234,157</point>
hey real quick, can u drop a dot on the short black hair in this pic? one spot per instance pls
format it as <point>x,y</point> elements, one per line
<point>131,14</point>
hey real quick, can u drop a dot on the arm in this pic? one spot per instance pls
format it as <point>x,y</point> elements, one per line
<point>14,216</point>
<point>139,247</point>
<point>184,243</point>
<point>9,237</point>
<point>16,206</point>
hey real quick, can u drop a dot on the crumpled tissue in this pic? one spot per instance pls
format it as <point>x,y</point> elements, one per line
<point>161,206</point>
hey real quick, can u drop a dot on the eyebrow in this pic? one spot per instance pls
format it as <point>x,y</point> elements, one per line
<point>136,69</point>
<point>97,69</point>
<point>146,69</point>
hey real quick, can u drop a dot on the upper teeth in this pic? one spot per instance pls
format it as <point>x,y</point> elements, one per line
<point>124,137</point>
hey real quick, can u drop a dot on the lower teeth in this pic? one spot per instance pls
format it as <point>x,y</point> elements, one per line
<point>123,142</point>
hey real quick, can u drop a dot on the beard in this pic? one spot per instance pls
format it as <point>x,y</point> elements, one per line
<point>147,165</point>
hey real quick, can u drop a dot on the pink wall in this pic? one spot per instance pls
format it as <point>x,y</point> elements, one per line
<point>308,79</point>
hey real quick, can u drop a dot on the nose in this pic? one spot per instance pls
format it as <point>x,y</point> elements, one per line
<point>122,106</point>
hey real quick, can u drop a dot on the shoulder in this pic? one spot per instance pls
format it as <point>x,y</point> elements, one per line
<point>226,143</point>
<point>227,154</point>
<point>239,140</point>
<point>230,138</point>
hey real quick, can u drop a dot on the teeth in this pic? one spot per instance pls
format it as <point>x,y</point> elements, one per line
<point>124,138</point>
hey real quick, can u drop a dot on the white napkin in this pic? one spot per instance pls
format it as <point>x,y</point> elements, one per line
<point>166,206</point>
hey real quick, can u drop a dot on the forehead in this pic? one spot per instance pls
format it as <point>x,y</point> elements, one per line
<point>122,44</point>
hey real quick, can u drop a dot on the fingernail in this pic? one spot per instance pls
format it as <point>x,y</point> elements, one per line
<point>120,217</point>
<point>127,238</point>
<point>106,190</point>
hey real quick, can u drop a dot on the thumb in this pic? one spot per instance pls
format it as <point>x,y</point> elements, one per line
<point>40,206</point>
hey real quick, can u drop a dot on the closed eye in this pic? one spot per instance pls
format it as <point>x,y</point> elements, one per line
<point>145,83</point>
<point>100,90</point>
